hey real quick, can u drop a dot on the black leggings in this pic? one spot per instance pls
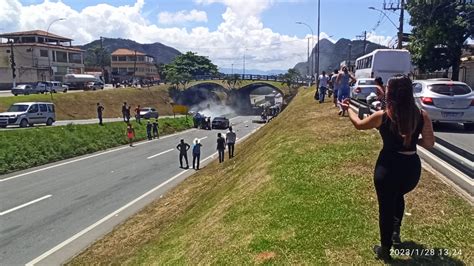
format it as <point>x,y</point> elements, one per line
<point>395,175</point>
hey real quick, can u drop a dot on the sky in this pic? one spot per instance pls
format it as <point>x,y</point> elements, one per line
<point>265,31</point>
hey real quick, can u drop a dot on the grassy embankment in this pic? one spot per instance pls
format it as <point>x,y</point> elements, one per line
<point>299,191</point>
<point>82,105</point>
<point>22,149</point>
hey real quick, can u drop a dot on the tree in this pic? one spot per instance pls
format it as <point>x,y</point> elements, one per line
<point>440,29</point>
<point>291,77</point>
<point>97,56</point>
<point>187,66</point>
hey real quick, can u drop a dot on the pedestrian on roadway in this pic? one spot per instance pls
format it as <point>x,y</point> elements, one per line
<point>137,114</point>
<point>398,168</point>
<point>130,134</point>
<point>335,86</point>
<point>124,112</point>
<point>230,138</point>
<point>100,111</point>
<point>156,134</point>
<point>183,148</point>
<point>343,79</point>
<point>148,130</point>
<point>323,86</point>
<point>196,153</point>
<point>220,147</point>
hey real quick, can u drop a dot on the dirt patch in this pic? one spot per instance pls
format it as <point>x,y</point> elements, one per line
<point>265,257</point>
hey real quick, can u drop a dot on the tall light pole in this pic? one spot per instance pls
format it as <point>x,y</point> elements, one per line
<point>319,33</point>
<point>399,28</point>
<point>47,35</point>
<point>312,45</point>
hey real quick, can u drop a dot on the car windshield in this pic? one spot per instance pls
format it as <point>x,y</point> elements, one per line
<point>18,108</point>
<point>366,82</point>
<point>22,87</point>
<point>450,89</point>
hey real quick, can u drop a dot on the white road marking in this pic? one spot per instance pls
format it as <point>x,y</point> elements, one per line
<point>24,205</point>
<point>161,153</point>
<point>202,138</point>
<point>88,157</point>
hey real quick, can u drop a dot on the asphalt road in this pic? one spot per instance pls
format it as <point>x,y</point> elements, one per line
<point>53,205</point>
<point>456,135</point>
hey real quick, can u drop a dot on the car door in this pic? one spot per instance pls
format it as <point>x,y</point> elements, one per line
<point>33,114</point>
<point>43,113</point>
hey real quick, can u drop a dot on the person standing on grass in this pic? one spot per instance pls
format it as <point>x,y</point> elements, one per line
<point>335,87</point>
<point>343,79</point>
<point>128,113</point>
<point>100,111</point>
<point>398,167</point>
<point>124,112</point>
<point>148,130</point>
<point>230,138</point>
<point>220,147</point>
<point>323,86</point>
<point>130,134</point>
<point>155,129</point>
<point>183,148</point>
<point>137,114</point>
<point>196,153</point>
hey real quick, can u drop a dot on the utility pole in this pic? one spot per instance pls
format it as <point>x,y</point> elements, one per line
<point>135,67</point>
<point>349,59</point>
<point>400,6</point>
<point>243,67</point>
<point>319,33</point>
<point>102,56</point>
<point>364,38</point>
<point>307,61</point>
<point>12,63</point>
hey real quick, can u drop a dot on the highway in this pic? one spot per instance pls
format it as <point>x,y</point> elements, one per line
<point>456,135</point>
<point>49,213</point>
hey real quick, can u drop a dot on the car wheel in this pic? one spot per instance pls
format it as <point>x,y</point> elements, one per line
<point>65,91</point>
<point>54,91</point>
<point>3,126</point>
<point>469,126</point>
<point>17,94</point>
<point>49,122</point>
<point>31,125</point>
<point>24,123</point>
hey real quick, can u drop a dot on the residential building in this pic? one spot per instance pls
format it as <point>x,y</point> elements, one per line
<point>39,56</point>
<point>128,65</point>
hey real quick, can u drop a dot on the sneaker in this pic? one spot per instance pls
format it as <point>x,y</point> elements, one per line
<point>382,253</point>
<point>396,239</point>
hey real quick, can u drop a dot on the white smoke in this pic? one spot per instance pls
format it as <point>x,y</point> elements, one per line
<point>213,109</point>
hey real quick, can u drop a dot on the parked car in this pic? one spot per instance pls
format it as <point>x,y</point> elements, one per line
<point>24,89</point>
<point>446,101</point>
<point>148,112</point>
<point>28,113</point>
<point>57,86</point>
<point>43,87</point>
<point>95,85</point>
<point>220,122</point>
<point>362,88</point>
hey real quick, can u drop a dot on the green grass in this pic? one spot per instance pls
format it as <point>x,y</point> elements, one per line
<point>22,149</point>
<point>299,191</point>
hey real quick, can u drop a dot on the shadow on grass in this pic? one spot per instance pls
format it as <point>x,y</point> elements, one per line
<point>412,253</point>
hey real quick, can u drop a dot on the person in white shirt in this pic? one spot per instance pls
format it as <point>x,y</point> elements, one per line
<point>230,138</point>
<point>323,86</point>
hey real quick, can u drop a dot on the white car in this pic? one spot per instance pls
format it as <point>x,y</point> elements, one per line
<point>362,88</point>
<point>57,86</point>
<point>446,101</point>
<point>28,114</point>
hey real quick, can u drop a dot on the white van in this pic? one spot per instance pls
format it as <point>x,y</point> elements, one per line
<point>28,113</point>
<point>384,63</point>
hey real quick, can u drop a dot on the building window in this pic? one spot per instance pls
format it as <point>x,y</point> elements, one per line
<point>28,40</point>
<point>75,58</point>
<point>115,69</point>
<point>122,58</point>
<point>114,58</point>
<point>61,57</point>
<point>44,53</point>
<point>140,58</point>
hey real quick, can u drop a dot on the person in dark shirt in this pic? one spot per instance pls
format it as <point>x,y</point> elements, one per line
<point>220,147</point>
<point>127,114</point>
<point>100,110</point>
<point>156,134</point>
<point>196,153</point>
<point>148,130</point>
<point>124,111</point>
<point>183,148</point>
<point>137,114</point>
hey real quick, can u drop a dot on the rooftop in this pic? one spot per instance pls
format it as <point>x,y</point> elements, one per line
<point>123,51</point>
<point>39,33</point>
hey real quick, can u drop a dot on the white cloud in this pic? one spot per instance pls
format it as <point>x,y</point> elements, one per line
<point>182,17</point>
<point>388,41</point>
<point>240,32</point>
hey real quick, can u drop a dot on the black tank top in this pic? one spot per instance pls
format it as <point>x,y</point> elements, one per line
<point>392,141</point>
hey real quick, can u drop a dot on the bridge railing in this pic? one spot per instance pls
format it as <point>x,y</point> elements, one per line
<point>277,78</point>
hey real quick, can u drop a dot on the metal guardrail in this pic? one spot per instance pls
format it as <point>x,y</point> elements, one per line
<point>460,161</point>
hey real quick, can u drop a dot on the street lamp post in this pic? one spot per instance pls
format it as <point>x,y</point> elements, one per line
<point>399,28</point>
<point>47,35</point>
<point>312,45</point>
<point>319,33</point>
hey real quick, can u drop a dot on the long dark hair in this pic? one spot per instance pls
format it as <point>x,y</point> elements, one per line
<point>401,108</point>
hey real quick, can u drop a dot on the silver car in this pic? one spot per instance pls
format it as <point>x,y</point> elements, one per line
<point>362,88</point>
<point>446,101</point>
<point>148,112</point>
<point>28,113</point>
<point>57,86</point>
<point>24,89</point>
